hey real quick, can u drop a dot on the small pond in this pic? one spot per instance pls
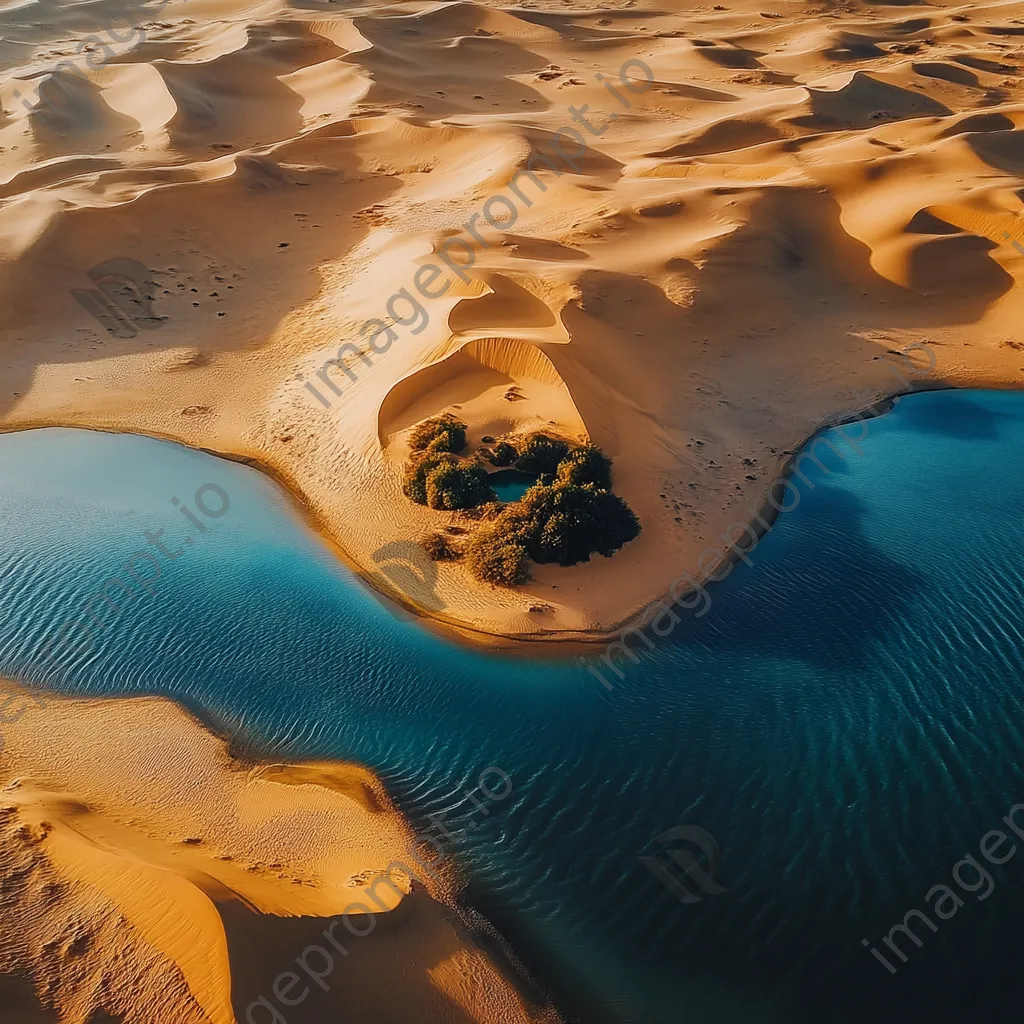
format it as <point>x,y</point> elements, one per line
<point>511,484</point>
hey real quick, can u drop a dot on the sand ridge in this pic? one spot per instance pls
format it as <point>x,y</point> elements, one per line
<point>801,191</point>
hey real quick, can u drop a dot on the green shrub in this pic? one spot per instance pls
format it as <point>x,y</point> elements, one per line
<point>565,523</point>
<point>566,517</point>
<point>488,510</point>
<point>450,486</point>
<point>586,465</point>
<point>442,480</point>
<point>439,548</point>
<point>445,441</point>
<point>539,453</point>
<point>503,454</point>
<point>414,476</point>
<point>444,433</point>
<point>495,561</point>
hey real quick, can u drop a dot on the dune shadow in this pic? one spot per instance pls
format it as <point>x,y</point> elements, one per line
<point>852,46</point>
<point>864,102</point>
<point>22,1003</point>
<point>795,244</point>
<point>203,297</point>
<point>685,90</point>
<point>477,74</point>
<point>728,55</point>
<point>1003,150</point>
<point>946,73</point>
<point>990,67</point>
<point>384,977</point>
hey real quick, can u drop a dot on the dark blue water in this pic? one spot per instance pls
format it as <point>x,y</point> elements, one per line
<point>845,720</point>
<point>511,484</point>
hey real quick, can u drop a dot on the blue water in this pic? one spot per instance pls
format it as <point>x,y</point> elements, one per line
<point>845,720</point>
<point>511,484</point>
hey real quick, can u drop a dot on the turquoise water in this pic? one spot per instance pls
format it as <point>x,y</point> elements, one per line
<point>845,720</point>
<point>511,484</point>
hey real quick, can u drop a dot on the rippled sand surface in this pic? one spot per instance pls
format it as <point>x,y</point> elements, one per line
<point>148,876</point>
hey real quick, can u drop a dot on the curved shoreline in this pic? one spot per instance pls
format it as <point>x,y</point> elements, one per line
<point>512,643</point>
<point>769,513</point>
<point>760,526</point>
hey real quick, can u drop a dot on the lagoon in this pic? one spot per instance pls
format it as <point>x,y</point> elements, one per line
<point>845,721</point>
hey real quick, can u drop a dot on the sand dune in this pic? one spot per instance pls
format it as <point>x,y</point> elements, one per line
<point>146,875</point>
<point>766,203</point>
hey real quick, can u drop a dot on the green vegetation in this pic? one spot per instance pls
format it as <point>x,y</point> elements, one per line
<point>414,477</point>
<point>442,480</point>
<point>445,433</point>
<point>570,514</point>
<point>459,486</point>
<point>586,465</point>
<point>541,454</point>
<point>497,562</point>
<point>435,475</point>
<point>503,454</point>
<point>439,548</point>
<point>563,523</point>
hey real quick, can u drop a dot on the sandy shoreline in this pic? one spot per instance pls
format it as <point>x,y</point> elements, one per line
<point>779,201</point>
<point>136,848</point>
<point>759,524</point>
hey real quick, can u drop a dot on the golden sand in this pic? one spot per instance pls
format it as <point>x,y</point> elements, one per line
<point>786,197</point>
<point>148,874</point>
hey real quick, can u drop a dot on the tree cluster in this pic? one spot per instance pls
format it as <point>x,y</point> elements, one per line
<point>435,475</point>
<point>560,522</point>
<point>568,515</point>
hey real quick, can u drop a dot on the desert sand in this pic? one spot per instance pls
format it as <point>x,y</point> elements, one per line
<point>735,256</point>
<point>799,192</point>
<point>146,876</point>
